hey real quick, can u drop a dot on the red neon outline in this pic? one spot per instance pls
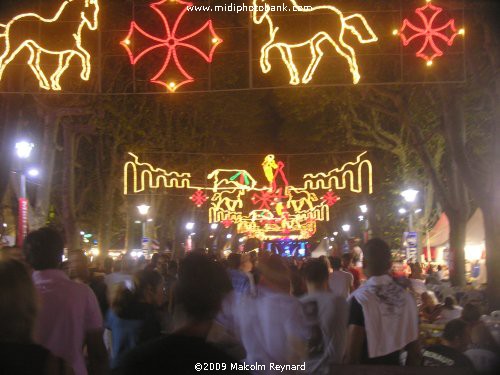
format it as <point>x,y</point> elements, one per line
<point>429,32</point>
<point>172,48</point>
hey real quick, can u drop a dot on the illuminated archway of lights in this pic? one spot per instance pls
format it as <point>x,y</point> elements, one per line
<point>268,210</point>
<point>355,23</point>
<point>19,37</point>
<point>429,32</point>
<point>172,74</point>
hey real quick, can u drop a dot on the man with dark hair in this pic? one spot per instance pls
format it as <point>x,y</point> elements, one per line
<point>239,280</point>
<point>455,340</point>
<point>69,317</point>
<point>199,291</point>
<point>348,267</point>
<point>383,318</point>
<point>327,317</point>
<point>341,283</point>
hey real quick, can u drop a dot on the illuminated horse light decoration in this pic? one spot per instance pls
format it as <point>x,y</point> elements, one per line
<point>18,36</point>
<point>279,37</point>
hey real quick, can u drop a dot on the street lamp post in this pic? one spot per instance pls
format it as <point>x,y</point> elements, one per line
<point>364,209</point>
<point>143,211</point>
<point>23,151</point>
<point>410,196</point>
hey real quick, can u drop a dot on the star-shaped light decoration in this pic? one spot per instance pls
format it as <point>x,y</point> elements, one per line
<point>433,27</point>
<point>330,198</point>
<point>199,197</point>
<point>172,73</point>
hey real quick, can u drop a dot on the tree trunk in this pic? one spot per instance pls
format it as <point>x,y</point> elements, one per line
<point>47,160</point>
<point>492,236</point>
<point>458,224</point>
<point>68,190</point>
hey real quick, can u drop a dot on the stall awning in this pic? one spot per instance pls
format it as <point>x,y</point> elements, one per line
<point>438,236</point>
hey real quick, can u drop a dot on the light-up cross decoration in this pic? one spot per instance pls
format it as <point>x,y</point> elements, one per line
<point>24,31</point>
<point>330,198</point>
<point>199,197</point>
<point>313,37</point>
<point>172,74</point>
<point>431,33</point>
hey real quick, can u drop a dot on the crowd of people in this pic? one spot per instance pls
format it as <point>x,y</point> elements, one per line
<point>254,312</point>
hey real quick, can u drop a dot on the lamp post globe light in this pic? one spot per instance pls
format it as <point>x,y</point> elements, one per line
<point>409,195</point>
<point>346,228</point>
<point>23,150</point>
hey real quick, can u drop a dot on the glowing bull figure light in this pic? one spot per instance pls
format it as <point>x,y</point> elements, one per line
<point>19,34</point>
<point>279,37</point>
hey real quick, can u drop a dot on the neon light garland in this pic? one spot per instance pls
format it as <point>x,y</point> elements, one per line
<point>15,30</point>
<point>276,40</point>
<point>171,41</point>
<point>278,209</point>
<point>349,176</point>
<point>429,32</point>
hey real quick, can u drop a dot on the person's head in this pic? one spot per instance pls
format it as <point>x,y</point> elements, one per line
<point>456,335</point>
<point>449,303</point>
<point>439,268</point>
<point>315,273</point>
<point>233,261</point>
<point>201,287</point>
<point>346,260</point>
<point>471,313</point>
<point>429,298</point>
<point>336,263</point>
<point>78,265</point>
<point>155,259</point>
<point>275,273</point>
<point>44,248</point>
<point>377,257</point>
<point>17,302</point>
<point>148,288</point>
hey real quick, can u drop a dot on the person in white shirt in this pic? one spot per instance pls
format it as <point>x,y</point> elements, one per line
<point>327,317</point>
<point>271,325</point>
<point>340,282</point>
<point>383,317</point>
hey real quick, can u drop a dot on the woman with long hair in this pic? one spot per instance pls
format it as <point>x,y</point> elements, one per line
<point>18,308</point>
<point>134,315</point>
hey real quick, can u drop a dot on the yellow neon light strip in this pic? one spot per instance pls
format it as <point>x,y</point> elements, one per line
<point>15,30</point>
<point>336,178</point>
<point>276,40</point>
